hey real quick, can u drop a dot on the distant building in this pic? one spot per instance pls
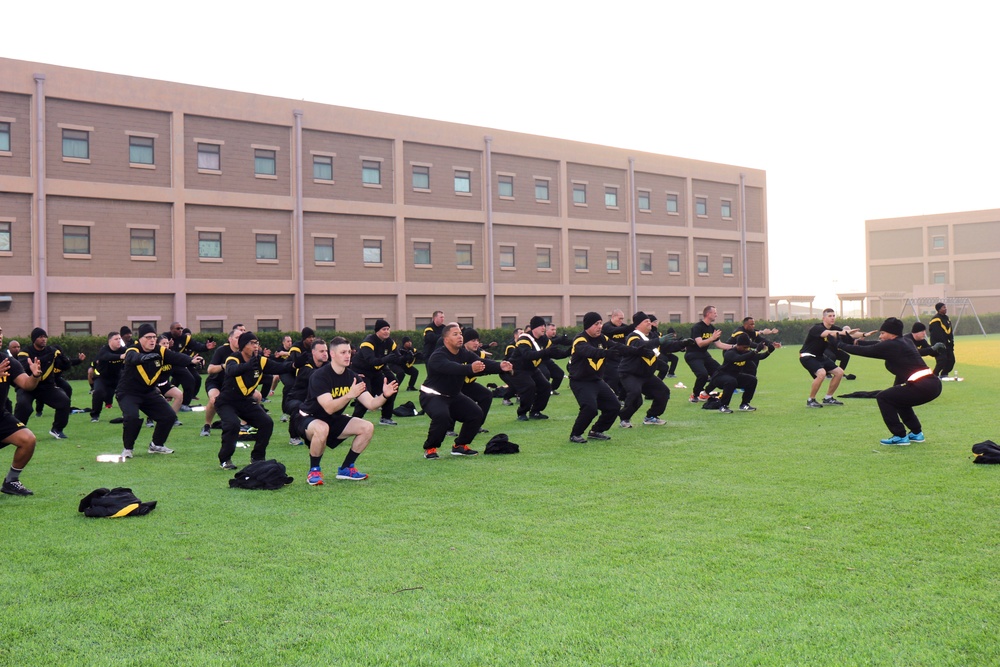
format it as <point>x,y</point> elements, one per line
<point>931,257</point>
<point>125,200</point>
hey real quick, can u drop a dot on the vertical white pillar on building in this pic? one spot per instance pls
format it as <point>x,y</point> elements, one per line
<point>565,260</point>
<point>399,236</point>
<point>298,225</point>
<point>178,240</point>
<point>488,255</point>
<point>743,244</point>
<point>632,251</point>
<point>41,304</point>
<point>693,313</point>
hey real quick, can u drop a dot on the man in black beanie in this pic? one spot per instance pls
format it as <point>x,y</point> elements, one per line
<point>915,383</point>
<point>50,359</point>
<point>142,368</point>
<point>940,331</point>
<point>529,384</point>
<point>374,354</point>
<point>404,367</point>
<point>637,372</point>
<point>244,370</point>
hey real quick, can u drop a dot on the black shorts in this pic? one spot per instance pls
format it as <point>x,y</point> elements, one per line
<point>8,427</point>
<point>337,425</point>
<point>813,364</point>
<point>164,387</point>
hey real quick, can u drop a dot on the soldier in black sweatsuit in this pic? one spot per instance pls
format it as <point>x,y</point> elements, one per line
<point>183,377</point>
<point>50,358</point>
<point>531,387</point>
<point>142,369</point>
<point>940,331</point>
<point>914,384</point>
<point>375,352</point>
<point>244,371</point>
<point>108,367</point>
<point>637,373</point>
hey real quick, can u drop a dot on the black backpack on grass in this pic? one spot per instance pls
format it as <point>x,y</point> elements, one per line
<point>407,409</point>
<point>261,475</point>
<point>114,503</point>
<point>986,452</point>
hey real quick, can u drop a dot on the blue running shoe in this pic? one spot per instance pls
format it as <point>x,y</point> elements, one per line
<point>896,440</point>
<point>352,474</point>
<point>315,477</point>
<point>916,437</point>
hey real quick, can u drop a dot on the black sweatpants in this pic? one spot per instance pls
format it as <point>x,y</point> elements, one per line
<point>104,393</point>
<point>49,394</point>
<point>533,390</point>
<point>188,380</point>
<point>945,362</point>
<point>636,387</point>
<point>594,396</point>
<point>729,383</point>
<point>896,403</point>
<point>373,385</point>
<point>703,368</point>
<point>230,413</point>
<point>154,406</point>
<point>444,411</point>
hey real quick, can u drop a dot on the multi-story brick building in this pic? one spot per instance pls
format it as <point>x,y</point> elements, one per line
<point>932,257</point>
<point>125,200</point>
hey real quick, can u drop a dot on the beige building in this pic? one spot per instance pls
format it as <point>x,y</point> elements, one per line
<point>930,257</point>
<point>126,200</point>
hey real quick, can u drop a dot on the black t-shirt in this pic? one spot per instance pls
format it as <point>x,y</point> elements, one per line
<point>326,380</point>
<point>700,331</point>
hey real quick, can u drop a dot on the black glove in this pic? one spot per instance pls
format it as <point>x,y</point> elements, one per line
<point>666,338</point>
<point>149,356</point>
<point>939,347</point>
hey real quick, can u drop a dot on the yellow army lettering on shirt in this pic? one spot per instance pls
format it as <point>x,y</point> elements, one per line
<point>340,392</point>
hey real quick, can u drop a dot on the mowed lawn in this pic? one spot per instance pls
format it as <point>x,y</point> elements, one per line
<point>788,536</point>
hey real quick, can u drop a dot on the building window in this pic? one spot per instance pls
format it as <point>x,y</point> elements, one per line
<point>505,186</point>
<point>940,277</point>
<point>506,257</point>
<point>421,253</point>
<point>78,328</point>
<point>646,262</point>
<point>5,237</point>
<point>541,190</point>
<point>143,242</point>
<point>612,260</point>
<point>701,207</point>
<point>675,318</point>
<point>323,167</point>
<point>5,137</point>
<point>937,242</point>
<point>421,177</point>
<point>267,325</point>
<point>463,254</point>
<point>76,144</point>
<point>508,322</point>
<point>140,150</point>
<point>210,157</point>
<point>372,251</point>
<point>727,266</point>
<point>673,263</point>
<point>465,321</point>
<point>265,162</point>
<point>210,245</point>
<point>543,258</point>
<point>703,264</point>
<point>267,246</point>
<point>727,209</point>
<point>76,240</point>
<point>611,197</point>
<point>463,182</point>
<point>643,200</point>
<point>421,323</point>
<point>729,318</point>
<point>580,259</point>
<point>323,249</point>
<point>672,206</point>
<point>210,326</point>
<point>580,194</point>
<point>371,172</point>
<point>138,323</point>
<point>326,324</point>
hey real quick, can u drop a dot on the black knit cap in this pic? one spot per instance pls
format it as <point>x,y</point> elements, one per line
<point>245,338</point>
<point>536,321</point>
<point>37,333</point>
<point>146,328</point>
<point>639,317</point>
<point>307,332</point>
<point>124,331</point>
<point>590,319</point>
<point>469,333</point>
<point>918,327</point>
<point>743,340</point>
<point>892,325</point>
<point>380,324</point>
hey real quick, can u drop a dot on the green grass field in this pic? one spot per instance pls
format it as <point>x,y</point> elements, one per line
<point>788,536</point>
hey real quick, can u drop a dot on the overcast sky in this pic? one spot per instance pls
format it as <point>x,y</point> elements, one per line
<point>856,110</point>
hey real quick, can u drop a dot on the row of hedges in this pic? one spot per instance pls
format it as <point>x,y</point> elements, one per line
<point>791,332</point>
